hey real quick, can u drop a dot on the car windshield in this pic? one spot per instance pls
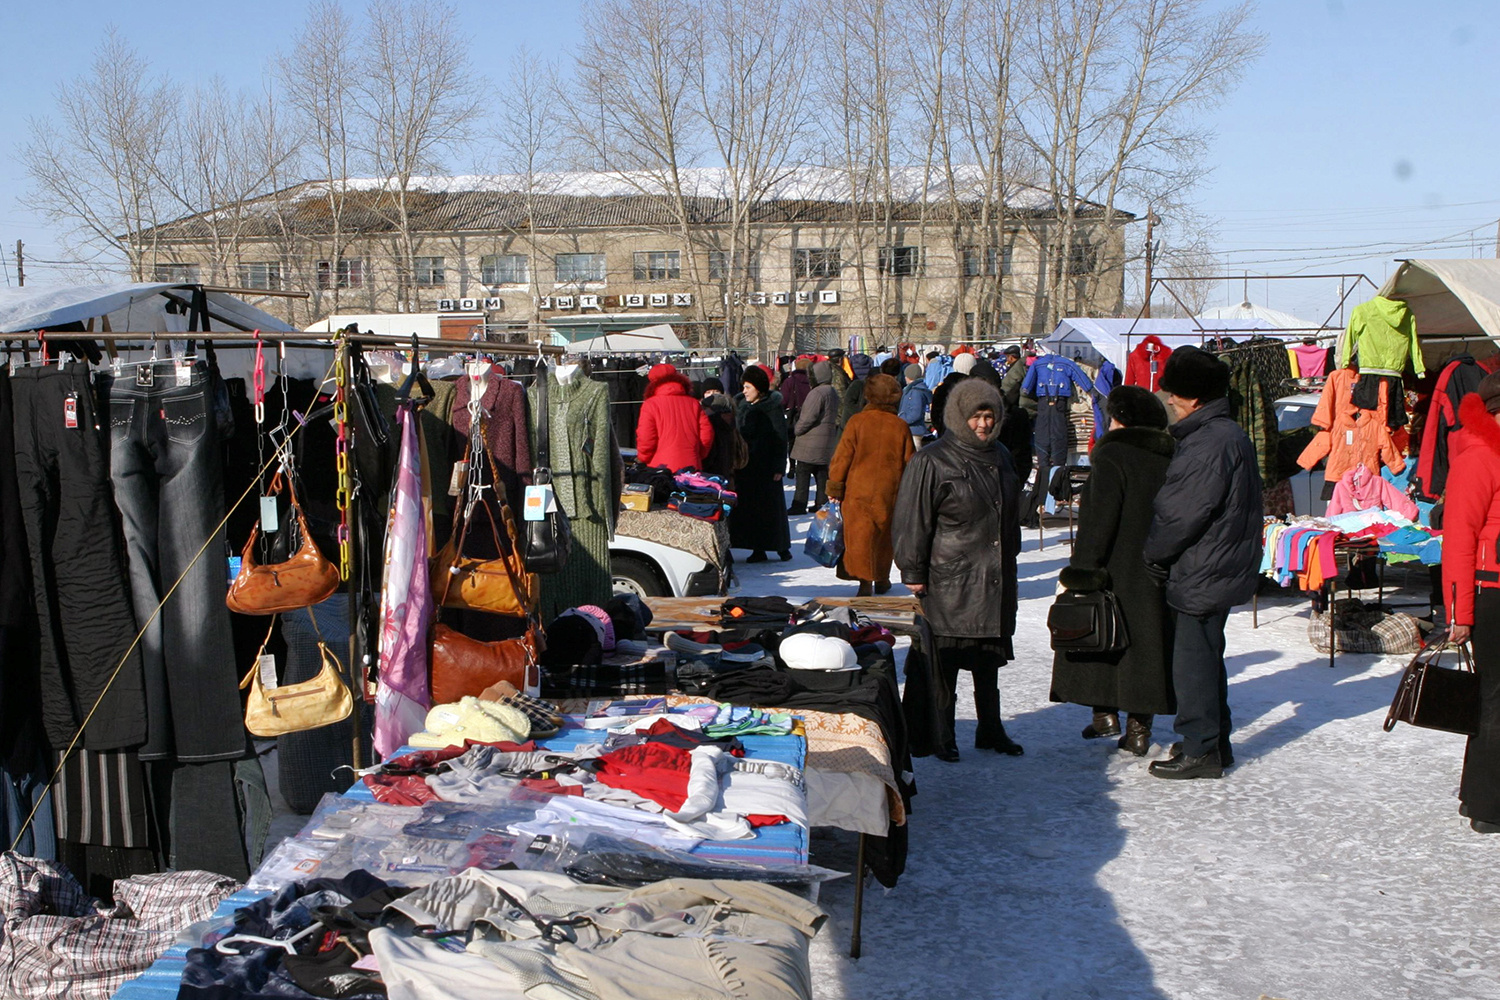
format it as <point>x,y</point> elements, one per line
<point>1294,416</point>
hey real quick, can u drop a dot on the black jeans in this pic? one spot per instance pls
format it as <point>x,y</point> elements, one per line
<point>168,478</point>
<point>1202,682</point>
<point>78,577</point>
<point>807,471</point>
<point>15,569</point>
<point>1480,788</point>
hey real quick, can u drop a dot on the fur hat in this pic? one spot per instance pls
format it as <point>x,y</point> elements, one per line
<point>756,376</point>
<point>1489,392</point>
<point>891,367</point>
<point>803,362</point>
<point>1192,373</point>
<point>967,398</point>
<point>882,392</point>
<point>913,373</point>
<point>1134,406</point>
<point>665,374</point>
<point>711,385</point>
<point>964,363</point>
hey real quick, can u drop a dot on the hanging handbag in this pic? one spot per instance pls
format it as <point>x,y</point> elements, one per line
<point>462,666</point>
<point>500,585</point>
<point>321,701</point>
<point>549,541</point>
<point>1087,622</point>
<point>1431,696</point>
<point>304,579</point>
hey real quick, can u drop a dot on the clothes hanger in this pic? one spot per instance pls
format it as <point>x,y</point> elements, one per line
<point>415,376</point>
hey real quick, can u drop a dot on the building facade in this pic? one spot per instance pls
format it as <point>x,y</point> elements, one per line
<point>782,273</point>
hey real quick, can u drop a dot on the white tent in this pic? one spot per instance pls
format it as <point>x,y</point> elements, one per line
<point>648,339</point>
<point>1456,302</point>
<point>129,307</point>
<point>1248,311</point>
<point>1113,339</point>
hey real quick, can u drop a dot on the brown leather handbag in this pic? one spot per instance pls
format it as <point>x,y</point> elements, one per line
<point>500,585</point>
<point>462,666</point>
<point>301,581</point>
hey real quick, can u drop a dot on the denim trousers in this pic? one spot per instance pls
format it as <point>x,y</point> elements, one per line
<point>78,582</point>
<point>1202,682</point>
<point>806,472</point>
<point>167,468</point>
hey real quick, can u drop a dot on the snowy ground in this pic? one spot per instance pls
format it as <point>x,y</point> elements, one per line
<point>1330,863</point>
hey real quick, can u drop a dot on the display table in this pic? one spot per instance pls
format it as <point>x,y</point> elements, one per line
<point>708,540</point>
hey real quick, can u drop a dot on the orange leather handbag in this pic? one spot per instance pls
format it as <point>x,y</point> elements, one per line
<point>463,666</point>
<point>500,585</point>
<point>301,581</point>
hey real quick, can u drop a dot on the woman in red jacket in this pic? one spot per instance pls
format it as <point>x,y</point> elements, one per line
<point>674,432</point>
<point>1471,581</point>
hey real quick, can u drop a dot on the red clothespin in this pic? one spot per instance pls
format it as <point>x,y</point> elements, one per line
<point>259,380</point>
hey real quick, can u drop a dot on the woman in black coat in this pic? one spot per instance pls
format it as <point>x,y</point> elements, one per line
<point>957,531</point>
<point>758,522</point>
<point>1127,467</point>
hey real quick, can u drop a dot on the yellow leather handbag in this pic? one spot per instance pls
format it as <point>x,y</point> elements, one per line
<point>321,701</point>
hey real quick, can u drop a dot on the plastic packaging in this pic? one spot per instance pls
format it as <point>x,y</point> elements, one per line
<point>825,536</point>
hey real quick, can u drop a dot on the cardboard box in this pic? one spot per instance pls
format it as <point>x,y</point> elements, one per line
<point>636,497</point>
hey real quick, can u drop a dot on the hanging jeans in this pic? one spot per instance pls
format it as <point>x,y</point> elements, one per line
<point>79,587</point>
<point>168,478</point>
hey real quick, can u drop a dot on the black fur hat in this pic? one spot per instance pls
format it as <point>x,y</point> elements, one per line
<point>1192,373</point>
<point>1134,406</point>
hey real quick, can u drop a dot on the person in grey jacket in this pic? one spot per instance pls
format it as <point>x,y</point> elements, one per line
<point>957,531</point>
<point>1205,542</point>
<point>816,434</point>
<point>916,398</point>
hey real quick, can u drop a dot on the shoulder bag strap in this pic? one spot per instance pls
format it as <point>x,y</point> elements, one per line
<point>543,423</point>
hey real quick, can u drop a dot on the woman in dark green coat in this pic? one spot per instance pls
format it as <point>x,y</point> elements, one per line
<point>1127,467</point>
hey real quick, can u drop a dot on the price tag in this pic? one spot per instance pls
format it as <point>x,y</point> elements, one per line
<point>538,503</point>
<point>70,411</point>
<point>270,519</point>
<point>184,373</point>
<point>476,369</point>
<point>1348,437</point>
<point>266,664</point>
<point>456,481</point>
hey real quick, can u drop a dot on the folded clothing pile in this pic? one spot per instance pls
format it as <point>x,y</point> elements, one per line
<point>757,611</point>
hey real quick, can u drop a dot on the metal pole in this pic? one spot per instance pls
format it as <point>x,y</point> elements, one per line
<point>859,900</point>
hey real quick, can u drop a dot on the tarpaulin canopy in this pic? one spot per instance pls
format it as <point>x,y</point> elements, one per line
<point>1248,311</point>
<point>647,339</point>
<point>1451,299</point>
<point>1094,339</point>
<point>133,307</point>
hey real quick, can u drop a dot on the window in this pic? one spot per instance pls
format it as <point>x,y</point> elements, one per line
<point>346,272</point>
<point>575,268</point>
<point>746,262</point>
<point>817,333</point>
<point>987,261</point>
<point>817,262</point>
<point>260,274</point>
<point>990,325</point>
<point>503,269</point>
<point>900,262</point>
<point>657,265</point>
<point>185,273</point>
<point>429,271</point>
<point>1083,257</point>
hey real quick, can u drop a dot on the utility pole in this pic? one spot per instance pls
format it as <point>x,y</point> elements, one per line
<point>1151,221</point>
<point>20,264</point>
<point>1497,239</point>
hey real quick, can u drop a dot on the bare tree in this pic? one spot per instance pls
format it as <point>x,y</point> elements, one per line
<point>95,163</point>
<point>419,100</point>
<point>318,78</point>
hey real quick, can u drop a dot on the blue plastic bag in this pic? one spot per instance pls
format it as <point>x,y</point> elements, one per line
<point>825,538</point>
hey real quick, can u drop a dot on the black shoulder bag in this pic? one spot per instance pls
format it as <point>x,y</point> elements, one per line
<point>550,540</point>
<point>1087,622</point>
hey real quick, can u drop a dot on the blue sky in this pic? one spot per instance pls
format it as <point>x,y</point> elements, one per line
<point>1367,131</point>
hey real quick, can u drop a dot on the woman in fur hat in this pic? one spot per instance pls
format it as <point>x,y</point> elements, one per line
<point>957,535</point>
<point>865,475</point>
<point>1127,467</point>
<point>758,522</point>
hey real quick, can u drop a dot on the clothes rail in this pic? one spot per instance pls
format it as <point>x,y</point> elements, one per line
<point>293,339</point>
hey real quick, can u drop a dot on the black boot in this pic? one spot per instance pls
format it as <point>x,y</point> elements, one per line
<point>786,555</point>
<point>1106,723</point>
<point>1137,738</point>
<point>756,556</point>
<point>1181,767</point>
<point>882,586</point>
<point>866,589</point>
<point>993,737</point>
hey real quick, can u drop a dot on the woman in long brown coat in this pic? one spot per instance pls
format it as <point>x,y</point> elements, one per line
<point>865,476</point>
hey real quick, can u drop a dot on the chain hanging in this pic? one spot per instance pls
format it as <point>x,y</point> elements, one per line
<point>341,453</point>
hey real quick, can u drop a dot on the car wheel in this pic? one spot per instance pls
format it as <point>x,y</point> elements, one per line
<point>636,576</point>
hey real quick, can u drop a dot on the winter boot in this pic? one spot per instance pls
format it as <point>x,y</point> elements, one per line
<point>1137,738</point>
<point>1106,723</point>
<point>866,589</point>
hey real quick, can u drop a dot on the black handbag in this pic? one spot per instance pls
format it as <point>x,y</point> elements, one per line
<point>1087,622</point>
<point>549,541</point>
<point>1431,696</point>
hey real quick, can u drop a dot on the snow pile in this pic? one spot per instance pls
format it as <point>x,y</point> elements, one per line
<point>1330,863</point>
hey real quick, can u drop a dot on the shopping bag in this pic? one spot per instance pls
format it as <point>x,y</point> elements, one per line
<point>825,538</point>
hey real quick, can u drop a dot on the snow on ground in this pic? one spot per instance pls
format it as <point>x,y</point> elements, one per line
<point>1330,863</point>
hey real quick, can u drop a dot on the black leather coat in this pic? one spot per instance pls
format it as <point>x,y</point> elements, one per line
<point>957,529</point>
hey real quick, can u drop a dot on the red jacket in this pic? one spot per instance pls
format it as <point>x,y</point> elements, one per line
<point>674,431</point>
<point>1471,510</point>
<point>1138,364</point>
